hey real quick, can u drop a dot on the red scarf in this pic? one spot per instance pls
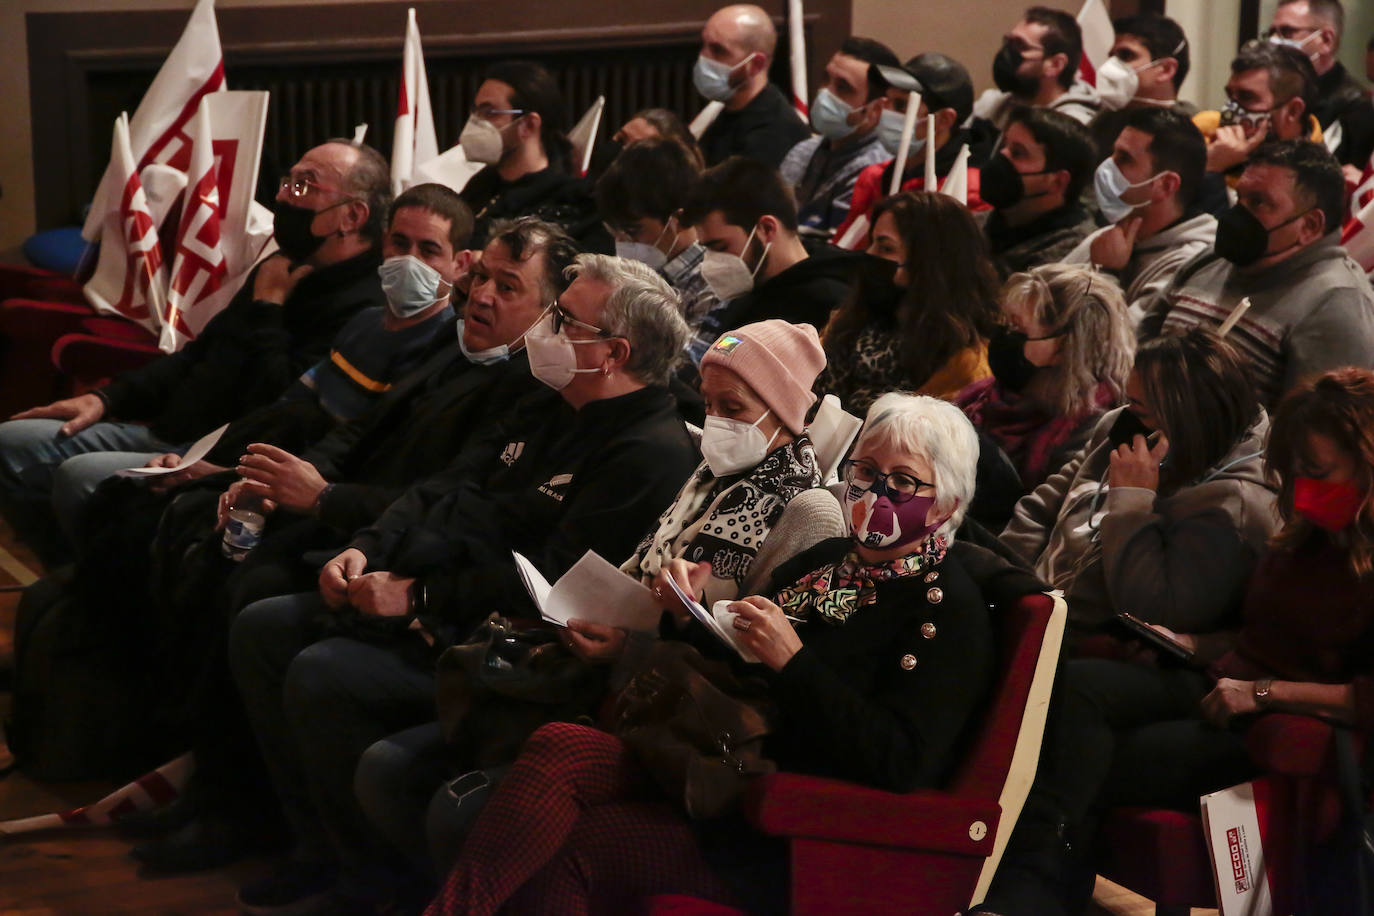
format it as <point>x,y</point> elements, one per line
<point>1026,431</point>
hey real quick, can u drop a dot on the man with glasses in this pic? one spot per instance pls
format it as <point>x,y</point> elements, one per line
<point>329,214</point>
<point>1343,108</point>
<point>517,127</point>
<point>592,477</point>
<point>1270,96</point>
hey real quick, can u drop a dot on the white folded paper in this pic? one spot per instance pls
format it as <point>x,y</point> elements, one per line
<point>198,450</point>
<point>719,621</point>
<point>594,591</point>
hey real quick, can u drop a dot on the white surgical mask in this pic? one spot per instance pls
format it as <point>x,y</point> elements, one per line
<point>485,357</point>
<point>410,285</point>
<point>1297,44</point>
<point>890,125</point>
<point>644,252</point>
<point>830,116</point>
<point>481,141</point>
<point>1109,184</point>
<point>552,358</point>
<point>727,275</point>
<point>730,446</point>
<point>1117,83</point>
<point>712,78</point>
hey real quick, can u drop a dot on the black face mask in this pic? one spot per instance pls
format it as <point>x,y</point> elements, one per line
<point>1002,186</point>
<point>1126,428</point>
<point>291,229</point>
<point>1004,67</point>
<point>1007,359</point>
<point>1242,238</point>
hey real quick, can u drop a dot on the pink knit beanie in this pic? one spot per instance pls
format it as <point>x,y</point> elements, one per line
<point>778,360</point>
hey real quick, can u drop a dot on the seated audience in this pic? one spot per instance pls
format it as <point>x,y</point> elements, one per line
<point>1147,189</point>
<point>659,124</point>
<point>1150,59</point>
<point>758,121</point>
<point>755,262</point>
<point>1311,307</point>
<point>929,334</point>
<point>592,478</point>
<point>640,197</point>
<point>1314,28</point>
<point>1037,67</point>
<point>578,825</point>
<point>947,93</point>
<point>717,535</point>
<point>1270,96</point>
<point>517,128</point>
<point>329,213</point>
<point>846,114</point>
<point>1140,733</point>
<point>1059,362</point>
<point>1033,184</point>
<point>1166,508</point>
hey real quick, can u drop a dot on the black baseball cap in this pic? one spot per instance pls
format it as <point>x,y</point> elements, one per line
<point>941,80</point>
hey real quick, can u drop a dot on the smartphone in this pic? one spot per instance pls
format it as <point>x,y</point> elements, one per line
<point>1128,626</point>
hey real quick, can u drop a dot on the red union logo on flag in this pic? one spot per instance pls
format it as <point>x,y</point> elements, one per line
<point>144,257</point>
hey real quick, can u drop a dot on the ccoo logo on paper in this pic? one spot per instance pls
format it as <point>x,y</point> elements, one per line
<point>1239,860</point>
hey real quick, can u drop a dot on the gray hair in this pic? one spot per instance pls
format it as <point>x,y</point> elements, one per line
<point>1099,343</point>
<point>370,181</point>
<point>938,433</point>
<point>643,309</point>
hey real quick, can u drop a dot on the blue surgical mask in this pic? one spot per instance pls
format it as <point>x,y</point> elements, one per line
<point>890,134</point>
<point>712,78</point>
<point>410,285</point>
<point>830,116</point>
<point>482,357</point>
<point>1109,184</point>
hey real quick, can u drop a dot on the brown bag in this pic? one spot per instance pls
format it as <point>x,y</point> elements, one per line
<point>494,690</point>
<point>696,726</point>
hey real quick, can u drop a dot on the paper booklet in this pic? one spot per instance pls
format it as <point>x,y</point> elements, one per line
<point>594,591</point>
<point>197,451</point>
<point>719,620</point>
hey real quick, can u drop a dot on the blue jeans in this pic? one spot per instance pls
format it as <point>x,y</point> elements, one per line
<point>39,467</point>
<point>316,705</point>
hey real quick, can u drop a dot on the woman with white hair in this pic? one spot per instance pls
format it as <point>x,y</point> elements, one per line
<point>877,649</point>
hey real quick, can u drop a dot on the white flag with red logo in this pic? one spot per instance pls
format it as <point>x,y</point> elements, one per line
<point>151,790</point>
<point>956,182</point>
<point>158,130</point>
<point>1364,188</point>
<point>1098,37</point>
<point>796,42</point>
<point>414,140</point>
<point>129,279</point>
<point>583,136</point>
<point>217,241</point>
<point>1358,237</point>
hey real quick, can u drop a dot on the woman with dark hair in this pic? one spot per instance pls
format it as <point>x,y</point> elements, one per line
<point>1058,363</point>
<point>930,337</point>
<point>1165,510</point>
<point>1137,733</point>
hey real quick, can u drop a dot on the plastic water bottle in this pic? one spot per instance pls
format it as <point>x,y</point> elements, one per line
<point>243,531</point>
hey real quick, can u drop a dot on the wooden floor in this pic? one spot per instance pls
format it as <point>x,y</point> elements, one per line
<point>90,873</point>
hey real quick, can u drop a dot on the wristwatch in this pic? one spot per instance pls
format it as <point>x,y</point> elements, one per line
<point>1262,687</point>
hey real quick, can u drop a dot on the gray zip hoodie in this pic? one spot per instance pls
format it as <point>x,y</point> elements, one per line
<point>1080,102</point>
<point>1181,560</point>
<point>1155,260</point>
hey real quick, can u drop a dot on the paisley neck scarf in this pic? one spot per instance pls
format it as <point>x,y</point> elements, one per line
<point>835,591</point>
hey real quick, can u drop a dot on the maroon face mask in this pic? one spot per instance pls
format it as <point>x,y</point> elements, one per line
<point>879,523</point>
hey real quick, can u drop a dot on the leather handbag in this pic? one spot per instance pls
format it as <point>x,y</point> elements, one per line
<point>508,679</point>
<point>697,727</point>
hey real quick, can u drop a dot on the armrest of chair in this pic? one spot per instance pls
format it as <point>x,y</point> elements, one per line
<point>1292,745</point>
<point>794,805</point>
<point>89,359</point>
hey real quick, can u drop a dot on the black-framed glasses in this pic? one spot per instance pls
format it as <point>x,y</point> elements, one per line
<point>562,316</point>
<point>898,485</point>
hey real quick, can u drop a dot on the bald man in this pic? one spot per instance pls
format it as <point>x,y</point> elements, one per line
<point>737,46</point>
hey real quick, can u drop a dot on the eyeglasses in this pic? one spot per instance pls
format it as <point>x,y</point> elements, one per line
<point>486,111</point>
<point>898,486</point>
<point>299,187</point>
<point>562,316</point>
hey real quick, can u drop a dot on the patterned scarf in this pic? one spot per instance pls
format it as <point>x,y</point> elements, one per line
<point>726,523</point>
<point>837,590</point>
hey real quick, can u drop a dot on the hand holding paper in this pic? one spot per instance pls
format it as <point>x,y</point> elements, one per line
<point>593,591</point>
<point>198,450</point>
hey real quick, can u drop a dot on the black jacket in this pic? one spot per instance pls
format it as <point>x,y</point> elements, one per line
<point>1340,98</point>
<point>551,483</point>
<point>765,130</point>
<point>807,291</point>
<point>247,355</point>
<point>550,194</point>
<point>1045,239</point>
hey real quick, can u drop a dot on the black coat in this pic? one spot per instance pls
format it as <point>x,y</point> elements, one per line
<point>247,355</point>
<point>550,194</point>
<point>765,130</point>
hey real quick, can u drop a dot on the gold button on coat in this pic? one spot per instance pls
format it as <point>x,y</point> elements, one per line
<point>931,576</point>
<point>935,595</point>
<point>928,630</point>
<point>908,662</point>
